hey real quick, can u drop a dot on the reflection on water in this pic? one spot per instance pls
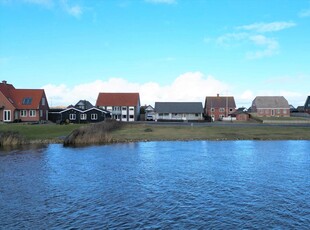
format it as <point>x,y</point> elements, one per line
<point>178,185</point>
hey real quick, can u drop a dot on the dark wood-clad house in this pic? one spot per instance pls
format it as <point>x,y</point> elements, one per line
<point>307,105</point>
<point>78,115</point>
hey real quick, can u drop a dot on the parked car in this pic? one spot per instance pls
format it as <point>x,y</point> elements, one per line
<point>150,117</point>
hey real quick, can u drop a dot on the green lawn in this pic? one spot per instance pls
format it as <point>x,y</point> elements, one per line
<point>149,133</point>
<point>145,132</point>
<point>40,131</point>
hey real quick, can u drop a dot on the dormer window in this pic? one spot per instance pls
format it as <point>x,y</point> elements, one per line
<point>27,101</point>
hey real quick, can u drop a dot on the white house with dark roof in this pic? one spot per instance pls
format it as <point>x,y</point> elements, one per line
<point>270,106</point>
<point>179,111</point>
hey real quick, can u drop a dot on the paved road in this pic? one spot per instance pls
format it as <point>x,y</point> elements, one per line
<point>219,124</point>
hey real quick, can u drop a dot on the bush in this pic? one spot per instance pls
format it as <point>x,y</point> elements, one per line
<point>93,134</point>
<point>10,138</point>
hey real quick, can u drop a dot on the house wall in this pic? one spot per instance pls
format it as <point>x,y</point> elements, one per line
<point>123,113</point>
<point>274,112</point>
<point>29,118</point>
<point>242,117</point>
<point>6,105</point>
<point>179,116</point>
<point>218,113</point>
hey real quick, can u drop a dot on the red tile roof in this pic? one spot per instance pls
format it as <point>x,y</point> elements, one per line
<point>220,102</point>
<point>118,99</point>
<point>16,96</point>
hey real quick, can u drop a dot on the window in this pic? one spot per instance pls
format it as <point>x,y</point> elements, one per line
<point>43,101</point>
<point>124,116</point>
<point>196,114</point>
<point>116,108</point>
<point>83,116</point>
<point>131,117</point>
<point>212,110</point>
<point>27,101</point>
<point>41,113</point>
<point>7,115</point>
<point>284,111</point>
<point>124,108</point>
<point>131,108</point>
<point>222,110</point>
<point>230,110</point>
<point>94,116</point>
<point>23,113</point>
<point>72,116</point>
<point>32,113</point>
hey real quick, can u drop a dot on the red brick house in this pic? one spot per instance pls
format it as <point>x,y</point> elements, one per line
<point>219,107</point>
<point>123,106</point>
<point>270,106</point>
<point>22,104</point>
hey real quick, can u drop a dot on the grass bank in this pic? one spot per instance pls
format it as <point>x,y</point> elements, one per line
<point>49,133</point>
<point>100,134</point>
<point>158,133</point>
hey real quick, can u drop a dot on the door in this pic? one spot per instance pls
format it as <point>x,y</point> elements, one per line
<point>7,115</point>
<point>272,112</point>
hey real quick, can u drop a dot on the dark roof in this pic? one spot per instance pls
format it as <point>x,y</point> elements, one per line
<point>220,102</point>
<point>307,103</point>
<point>178,107</point>
<point>83,104</point>
<point>270,102</point>
<point>118,99</point>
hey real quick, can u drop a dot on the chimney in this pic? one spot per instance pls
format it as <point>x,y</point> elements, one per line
<point>4,82</point>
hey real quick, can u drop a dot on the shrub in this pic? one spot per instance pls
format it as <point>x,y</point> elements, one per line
<point>10,138</point>
<point>92,134</point>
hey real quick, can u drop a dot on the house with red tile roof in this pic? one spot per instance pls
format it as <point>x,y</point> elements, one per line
<point>123,106</point>
<point>219,107</point>
<point>29,105</point>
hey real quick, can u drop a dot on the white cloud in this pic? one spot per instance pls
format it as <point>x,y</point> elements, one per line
<point>267,27</point>
<point>253,34</point>
<point>271,47</point>
<point>191,86</point>
<point>162,1</point>
<point>304,13</point>
<point>74,10</point>
<point>231,38</point>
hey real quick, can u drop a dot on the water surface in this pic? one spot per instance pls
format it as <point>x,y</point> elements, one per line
<point>158,185</point>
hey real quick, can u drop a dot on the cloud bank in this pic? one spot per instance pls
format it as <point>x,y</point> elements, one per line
<point>255,34</point>
<point>191,86</point>
<point>188,87</point>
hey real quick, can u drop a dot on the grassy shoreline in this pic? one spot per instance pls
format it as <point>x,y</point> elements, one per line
<point>95,134</point>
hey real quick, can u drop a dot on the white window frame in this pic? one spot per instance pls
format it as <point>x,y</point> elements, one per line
<point>23,113</point>
<point>41,113</point>
<point>32,113</point>
<point>7,115</point>
<point>94,116</point>
<point>72,116</point>
<point>83,116</point>
<point>43,101</point>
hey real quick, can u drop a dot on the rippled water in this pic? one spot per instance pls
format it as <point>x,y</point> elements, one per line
<point>158,185</point>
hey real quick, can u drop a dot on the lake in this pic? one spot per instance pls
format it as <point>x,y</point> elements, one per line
<point>158,185</point>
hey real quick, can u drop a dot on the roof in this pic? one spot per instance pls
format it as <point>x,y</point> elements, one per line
<point>269,102</point>
<point>220,102</point>
<point>22,98</point>
<point>84,103</point>
<point>307,103</point>
<point>118,99</point>
<point>178,107</point>
<point>83,111</point>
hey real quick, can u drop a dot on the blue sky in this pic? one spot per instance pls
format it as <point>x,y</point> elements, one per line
<point>168,50</point>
